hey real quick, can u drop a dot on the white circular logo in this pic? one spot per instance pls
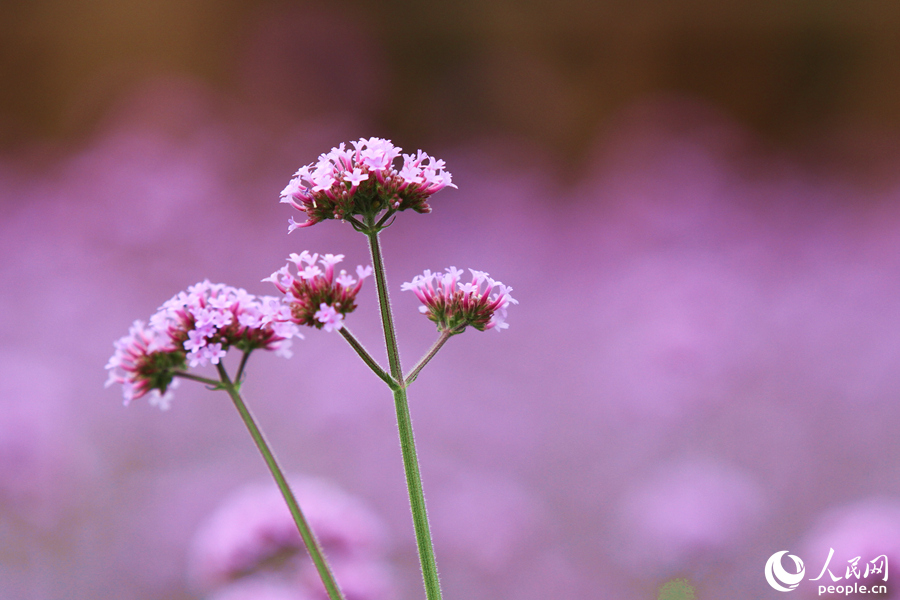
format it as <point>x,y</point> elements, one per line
<point>776,575</point>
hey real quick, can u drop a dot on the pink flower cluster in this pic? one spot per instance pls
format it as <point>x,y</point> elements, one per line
<point>453,305</point>
<point>196,327</point>
<point>317,298</point>
<point>363,181</point>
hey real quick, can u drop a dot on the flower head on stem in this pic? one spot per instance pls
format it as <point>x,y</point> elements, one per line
<point>454,305</point>
<point>315,297</point>
<point>196,327</point>
<point>362,181</point>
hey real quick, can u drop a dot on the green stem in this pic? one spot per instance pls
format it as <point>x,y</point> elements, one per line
<point>384,303</point>
<point>209,382</point>
<point>367,358</point>
<point>416,497</point>
<point>309,539</point>
<point>404,426</point>
<point>445,335</point>
<point>353,221</point>
<point>381,222</point>
<point>238,377</point>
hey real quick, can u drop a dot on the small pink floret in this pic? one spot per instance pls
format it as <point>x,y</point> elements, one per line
<point>331,319</point>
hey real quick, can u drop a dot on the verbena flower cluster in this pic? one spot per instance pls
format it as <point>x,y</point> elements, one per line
<point>453,305</point>
<point>317,298</point>
<point>363,181</point>
<point>196,327</point>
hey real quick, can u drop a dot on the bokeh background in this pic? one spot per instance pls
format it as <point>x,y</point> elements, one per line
<point>695,202</point>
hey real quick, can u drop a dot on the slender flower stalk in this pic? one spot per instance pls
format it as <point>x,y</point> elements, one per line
<point>212,384</point>
<point>422,528</point>
<point>309,538</point>
<point>367,358</point>
<point>404,425</point>
<point>306,533</point>
<point>438,344</point>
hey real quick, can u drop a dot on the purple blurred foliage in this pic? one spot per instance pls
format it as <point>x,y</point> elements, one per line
<point>685,517</point>
<point>702,365</point>
<point>260,589</point>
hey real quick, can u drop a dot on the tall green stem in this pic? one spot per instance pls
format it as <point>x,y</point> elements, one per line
<point>384,303</point>
<point>404,426</point>
<point>309,539</point>
<point>417,497</point>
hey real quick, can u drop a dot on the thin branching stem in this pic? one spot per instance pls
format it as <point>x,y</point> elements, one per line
<point>381,222</point>
<point>309,539</point>
<point>239,376</point>
<point>212,383</point>
<point>355,222</point>
<point>445,335</point>
<point>367,358</point>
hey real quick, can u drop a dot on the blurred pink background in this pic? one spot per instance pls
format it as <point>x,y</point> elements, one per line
<point>697,208</point>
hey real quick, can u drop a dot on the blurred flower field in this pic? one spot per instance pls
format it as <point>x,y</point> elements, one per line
<point>700,371</point>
